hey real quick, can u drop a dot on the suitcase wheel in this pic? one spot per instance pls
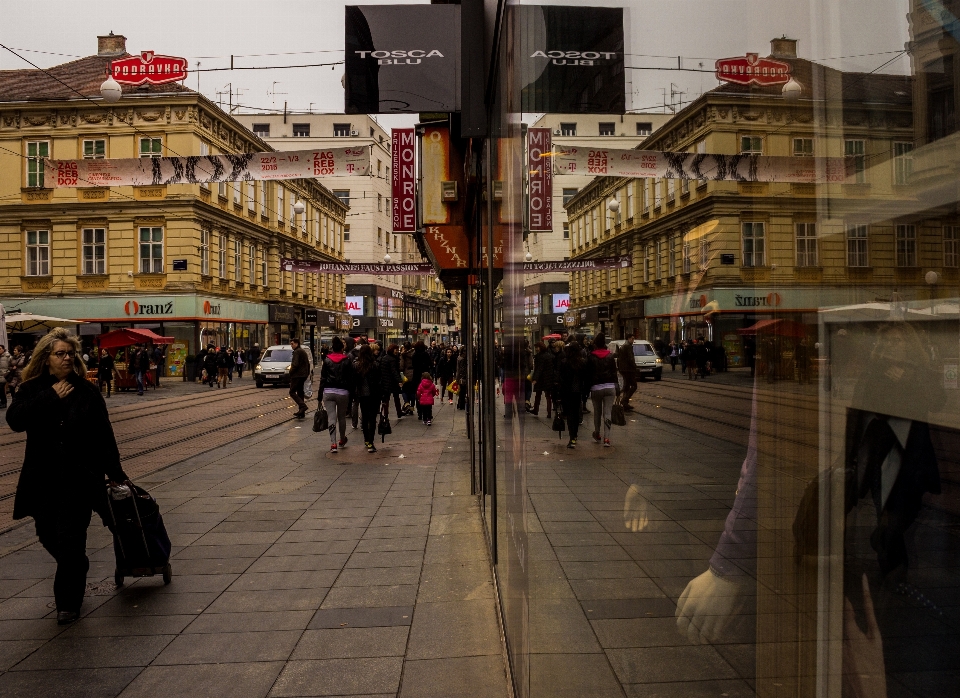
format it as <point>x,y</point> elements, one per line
<point>118,579</point>
<point>167,573</point>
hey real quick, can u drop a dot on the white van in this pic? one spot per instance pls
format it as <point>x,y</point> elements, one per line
<point>274,366</point>
<point>644,356</point>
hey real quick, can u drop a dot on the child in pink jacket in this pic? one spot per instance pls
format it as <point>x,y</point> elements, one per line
<point>425,393</point>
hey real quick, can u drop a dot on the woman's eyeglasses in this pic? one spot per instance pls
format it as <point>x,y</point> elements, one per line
<point>63,354</point>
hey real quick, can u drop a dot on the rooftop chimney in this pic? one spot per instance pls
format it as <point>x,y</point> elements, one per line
<point>111,45</point>
<point>783,48</point>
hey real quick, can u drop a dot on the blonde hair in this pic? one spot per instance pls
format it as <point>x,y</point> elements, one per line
<point>41,354</point>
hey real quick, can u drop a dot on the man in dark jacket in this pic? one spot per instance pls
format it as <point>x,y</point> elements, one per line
<point>105,371</point>
<point>210,365</point>
<point>392,378</point>
<point>543,370</point>
<point>299,372</point>
<point>143,369</point>
<point>627,366</point>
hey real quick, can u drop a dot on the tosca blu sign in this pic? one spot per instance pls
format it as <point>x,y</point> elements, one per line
<point>149,68</point>
<point>207,169</point>
<point>403,185</point>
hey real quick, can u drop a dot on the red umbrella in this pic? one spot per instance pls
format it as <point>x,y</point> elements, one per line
<point>125,337</point>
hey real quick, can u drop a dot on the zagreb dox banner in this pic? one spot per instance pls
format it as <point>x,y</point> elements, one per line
<point>540,175</point>
<point>302,266</point>
<point>700,166</point>
<point>206,169</point>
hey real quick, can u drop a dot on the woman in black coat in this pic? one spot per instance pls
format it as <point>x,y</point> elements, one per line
<point>369,388</point>
<point>392,378</point>
<point>571,384</point>
<point>70,448</point>
<point>542,377</point>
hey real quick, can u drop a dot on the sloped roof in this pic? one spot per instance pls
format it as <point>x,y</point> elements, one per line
<point>65,81</point>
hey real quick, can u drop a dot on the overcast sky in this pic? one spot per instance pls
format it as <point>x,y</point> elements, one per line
<point>845,34</point>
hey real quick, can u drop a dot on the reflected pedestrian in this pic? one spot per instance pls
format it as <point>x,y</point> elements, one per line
<point>571,384</point>
<point>4,368</point>
<point>602,370</point>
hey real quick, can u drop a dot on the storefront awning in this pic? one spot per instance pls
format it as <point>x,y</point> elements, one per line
<point>781,328</point>
<point>126,337</point>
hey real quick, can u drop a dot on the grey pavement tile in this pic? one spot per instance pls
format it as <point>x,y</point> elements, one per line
<point>552,527</point>
<point>377,545</point>
<point>221,648</point>
<point>558,626</point>
<point>266,581</point>
<point>12,587</point>
<point>29,629</point>
<point>546,580</point>
<point>404,509</point>
<point>572,676</point>
<point>183,583</point>
<point>456,546</point>
<point>319,512</point>
<point>111,626</point>
<point>443,524</point>
<point>12,651</point>
<point>239,516</point>
<point>66,683</point>
<point>465,579</point>
<point>295,563</point>
<point>589,553</point>
<point>21,608</point>
<point>382,520</point>
<point>379,576</point>
<point>336,643</point>
<point>321,547</point>
<point>309,535</point>
<point>602,570</point>
<point>617,588</point>
<point>33,570</point>
<point>244,538</point>
<point>674,568</point>
<point>661,664</point>
<point>95,652</point>
<point>362,617</point>
<point>418,531</point>
<point>371,596</point>
<point>273,600</point>
<point>250,680</point>
<point>457,677</point>
<point>135,602</point>
<point>215,566</point>
<point>308,522</point>
<point>284,505</point>
<point>663,553</point>
<point>256,525</point>
<point>569,539</point>
<point>690,689</point>
<point>209,552</point>
<point>454,505</point>
<point>454,629</point>
<point>402,558</point>
<point>339,677</point>
<point>629,608</point>
<point>616,633</point>
<point>249,621</point>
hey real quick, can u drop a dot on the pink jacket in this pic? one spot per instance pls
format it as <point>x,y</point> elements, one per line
<point>425,392</point>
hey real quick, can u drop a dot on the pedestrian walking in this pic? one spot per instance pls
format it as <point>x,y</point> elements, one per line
<point>143,369</point>
<point>446,369</point>
<point>231,364</point>
<point>299,372</point>
<point>210,365</point>
<point>239,358</point>
<point>627,366</point>
<point>425,397</point>
<point>461,378</point>
<point>392,379</point>
<point>602,370</point>
<point>368,390</point>
<point>674,356</point>
<point>336,383</point>
<point>17,362</point>
<point>420,364</point>
<point>4,368</point>
<point>542,378</point>
<point>571,385</point>
<point>70,449</point>
<point>159,361</point>
<point>689,360</point>
<point>105,371</point>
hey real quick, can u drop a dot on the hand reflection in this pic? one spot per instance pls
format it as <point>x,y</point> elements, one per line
<point>635,516</point>
<point>707,606</point>
<point>864,675</point>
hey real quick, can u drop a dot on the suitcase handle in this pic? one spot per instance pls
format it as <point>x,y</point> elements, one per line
<point>136,511</point>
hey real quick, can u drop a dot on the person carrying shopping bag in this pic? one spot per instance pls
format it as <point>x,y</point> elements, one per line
<point>336,382</point>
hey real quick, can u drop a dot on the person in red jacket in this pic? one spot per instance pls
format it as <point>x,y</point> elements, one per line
<point>425,393</point>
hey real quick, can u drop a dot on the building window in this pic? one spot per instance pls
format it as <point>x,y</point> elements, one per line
<point>672,257</point>
<point>301,130</point>
<point>657,192</point>
<point>252,265</point>
<point>251,197</point>
<point>568,129</point>
<point>293,212</point>
<point>751,145</point>
<point>941,102</point>
<point>704,253</point>
<point>94,251</point>
<point>687,252</point>
<point>36,152</point>
<point>343,195</point>
<point>803,147</point>
<point>856,150</point>
<point>857,252</point>
<point>380,236</point>
<point>38,253</point>
<point>263,267</point>
<point>316,229</point>
<point>263,199</point>
<point>151,147</point>
<point>753,248</point>
<point>658,269</point>
<point>630,210</point>
<point>951,246</point>
<point>806,244</point>
<point>205,252</point>
<point>346,233</point>
<point>151,250</point>
<point>608,128</point>
<point>906,246</point>
<point>94,149</point>
<point>279,205</point>
<point>644,196</point>
<point>222,190</point>
<point>380,203</point>
<point>261,130</point>
<point>237,268</point>
<point>566,231</point>
<point>568,194</point>
<point>644,128</point>
<point>236,192</point>
<point>671,189</point>
<point>341,130</point>
<point>902,162</point>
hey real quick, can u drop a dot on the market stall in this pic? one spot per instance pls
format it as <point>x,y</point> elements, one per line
<point>127,337</point>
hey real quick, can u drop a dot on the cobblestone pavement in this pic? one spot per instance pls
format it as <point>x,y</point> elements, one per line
<point>296,573</point>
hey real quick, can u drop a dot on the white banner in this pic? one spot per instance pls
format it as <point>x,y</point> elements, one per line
<point>205,169</point>
<point>736,168</point>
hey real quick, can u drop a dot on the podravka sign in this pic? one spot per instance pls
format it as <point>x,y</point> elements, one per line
<point>150,68</point>
<point>751,69</point>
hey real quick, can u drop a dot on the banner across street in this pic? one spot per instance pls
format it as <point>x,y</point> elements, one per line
<point>582,160</point>
<point>206,169</point>
<point>620,261</point>
<point>309,267</point>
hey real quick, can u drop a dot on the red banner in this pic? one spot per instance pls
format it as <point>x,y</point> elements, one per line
<point>540,174</point>
<point>403,184</point>
<point>753,69</point>
<point>150,68</point>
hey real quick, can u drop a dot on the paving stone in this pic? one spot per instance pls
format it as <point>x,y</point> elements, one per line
<point>248,679</point>
<point>66,683</point>
<point>249,621</point>
<point>334,643</point>
<point>379,545</point>
<point>266,581</point>
<point>95,652</point>
<point>370,596</point>
<point>380,576</point>
<point>219,648</point>
<point>339,677</point>
<point>572,676</point>
<point>13,651</point>
<point>455,581</point>
<point>269,600</point>
<point>457,677</point>
<point>127,625</point>
<point>362,617</point>
<point>298,563</point>
<point>660,664</point>
<point>453,629</point>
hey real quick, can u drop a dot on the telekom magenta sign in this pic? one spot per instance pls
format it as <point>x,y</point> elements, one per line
<point>540,176</point>
<point>404,189</point>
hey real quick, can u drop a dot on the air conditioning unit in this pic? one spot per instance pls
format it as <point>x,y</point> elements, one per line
<point>354,133</point>
<point>556,132</point>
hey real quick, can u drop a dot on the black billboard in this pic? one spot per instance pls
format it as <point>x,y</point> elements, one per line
<point>572,59</point>
<point>402,59</point>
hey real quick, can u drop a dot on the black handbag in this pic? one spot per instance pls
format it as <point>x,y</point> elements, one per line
<point>320,419</point>
<point>558,423</point>
<point>616,414</point>
<point>383,427</point>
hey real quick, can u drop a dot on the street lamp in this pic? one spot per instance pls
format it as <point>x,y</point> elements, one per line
<point>386,259</point>
<point>110,90</point>
<point>791,91</point>
<point>528,257</point>
<point>299,207</point>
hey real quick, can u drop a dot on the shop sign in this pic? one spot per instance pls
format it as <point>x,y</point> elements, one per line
<point>149,68</point>
<point>540,178</point>
<point>211,308</point>
<point>354,305</point>
<point>403,187</point>
<point>133,307</point>
<point>386,322</point>
<point>283,314</point>
<point>305,266</point>
<point>751,69</point>
<point>402,59</point>
<point>618,262</point>
<point>561,302</point>
<point>179,265</point>
<point>310,316</point>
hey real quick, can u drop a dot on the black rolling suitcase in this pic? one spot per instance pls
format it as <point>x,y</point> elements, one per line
<point>140,541</point>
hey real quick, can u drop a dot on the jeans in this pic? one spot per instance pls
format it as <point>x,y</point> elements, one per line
<point>602,407</point>
<point>63,532</point>
<point>629,387</point>
<point>571,407</point>
<point>337,407</point>
<point>296,392</point>
<point>369,409</point>
<point>140,382</point>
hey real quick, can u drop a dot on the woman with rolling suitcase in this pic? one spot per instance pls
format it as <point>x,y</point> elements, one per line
<point>70,448</point>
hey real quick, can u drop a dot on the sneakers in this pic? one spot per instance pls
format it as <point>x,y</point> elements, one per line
<point>343,442</point>
<point>596,436</point>
<point>572,443</point>
<point>606,443</point>
<point>370,447</point>
<point>428,422</point>
<point>451,402</point>
<point>333,447</point>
